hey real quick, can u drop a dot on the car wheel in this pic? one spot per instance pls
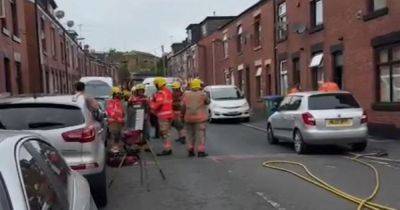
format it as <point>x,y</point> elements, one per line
<point>98,187</point>
<point>246,120</point>
<point>359,147</point>
<point>271,137</point>
<point>299,146</point>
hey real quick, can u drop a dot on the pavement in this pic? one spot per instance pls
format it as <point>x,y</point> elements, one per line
<point>232,177</point>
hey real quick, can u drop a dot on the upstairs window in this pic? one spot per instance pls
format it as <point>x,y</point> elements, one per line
<point>3,14</point>
<point>226,46</point>
<point>317,13</point>
<point>388,60</point>
<point>377,5</point>
<point>257,31</point>
<point>54,42</point>
<point>282,21</point>
<point>43,34</point>
<point>240,39</point>
<point>14,13</point>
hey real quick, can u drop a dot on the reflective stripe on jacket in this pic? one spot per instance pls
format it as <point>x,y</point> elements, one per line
<point>161,104</point>
<point>195,106</point>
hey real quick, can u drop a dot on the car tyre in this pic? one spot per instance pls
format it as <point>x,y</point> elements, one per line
<point>359,147</point>
<point>98,187</point>
<point>299,146</point>
<point>270,136</point>
<point>246,119</point>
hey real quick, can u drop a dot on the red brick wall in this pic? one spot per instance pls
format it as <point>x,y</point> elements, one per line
<point>13,48</point>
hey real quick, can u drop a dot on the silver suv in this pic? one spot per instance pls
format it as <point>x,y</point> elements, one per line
<point>67,124</point>
<point>319,118</point>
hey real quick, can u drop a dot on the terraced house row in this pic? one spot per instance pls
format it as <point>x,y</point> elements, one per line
<point>38,54</point>
<point>277,44</point>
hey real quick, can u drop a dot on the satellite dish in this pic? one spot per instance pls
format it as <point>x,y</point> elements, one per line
<point>60,14</point>
<point>70,23</point>
<point>299,28</point>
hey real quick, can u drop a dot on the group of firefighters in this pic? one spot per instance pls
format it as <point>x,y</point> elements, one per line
<point>186,111</point>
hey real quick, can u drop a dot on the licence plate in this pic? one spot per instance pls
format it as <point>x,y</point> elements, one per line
<point>339,123</point>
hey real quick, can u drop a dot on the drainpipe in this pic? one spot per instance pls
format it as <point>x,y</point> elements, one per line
<point>276,70</point>
<point>65,61</point>
<point>38,46</point>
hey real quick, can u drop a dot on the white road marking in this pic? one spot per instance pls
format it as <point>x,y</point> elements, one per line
<point>274,204</point>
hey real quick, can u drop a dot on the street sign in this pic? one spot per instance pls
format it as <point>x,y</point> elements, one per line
<point>2,10</point>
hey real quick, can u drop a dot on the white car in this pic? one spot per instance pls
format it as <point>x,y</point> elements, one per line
<point>33,175</point>
<point>68,125</point>
<point>227,102</point>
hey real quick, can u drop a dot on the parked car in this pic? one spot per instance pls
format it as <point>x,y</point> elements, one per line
<point>227,102</point>
<point>319,118</point>
<point>68,125</point>
<point>33,175</point>
<point>99,88</point>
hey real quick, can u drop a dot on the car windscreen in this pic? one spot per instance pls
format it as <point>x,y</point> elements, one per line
<point>226,94</point>
<point>39,116</point>
<point>332,101</point>
<point>97,89</point>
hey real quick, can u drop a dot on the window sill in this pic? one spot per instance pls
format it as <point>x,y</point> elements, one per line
<point>376,14</point>
<point>16,39</point>
<point>6,32</point>
<point>259,47</point>
<point>281,40</point>
<point>315,29</point>
<point>388,107</point>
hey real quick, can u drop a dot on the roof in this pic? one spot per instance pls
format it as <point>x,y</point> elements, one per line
<point>217,18</point>
<point>191,25</point>
<point>60,99</point>
<point>261,2</point>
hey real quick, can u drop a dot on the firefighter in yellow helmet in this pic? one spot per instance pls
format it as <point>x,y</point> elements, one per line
<point>195,104</point>
<point>161,105</point>
<point>116,118</point>
<point>178,122</point>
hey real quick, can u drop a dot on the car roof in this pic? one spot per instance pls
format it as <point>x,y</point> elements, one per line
<point>312,93</point>
<point>220,86</point>
<point>60,99</point>
<point>8,134</point>
<point>107,80</point>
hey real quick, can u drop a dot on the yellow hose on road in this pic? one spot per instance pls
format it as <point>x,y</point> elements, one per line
<point>313,179</point>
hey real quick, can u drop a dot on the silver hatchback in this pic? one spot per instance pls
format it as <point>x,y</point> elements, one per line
<point>319,118</point>
<point>67,124</point>
<point>33,175</point>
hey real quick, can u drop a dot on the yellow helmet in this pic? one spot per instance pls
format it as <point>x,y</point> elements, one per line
<point>116,90</point>
<point>196,84</point>
<point>176,85</point>
<point>127,93</point>
<point>160,81</point>
<point>140,87</point>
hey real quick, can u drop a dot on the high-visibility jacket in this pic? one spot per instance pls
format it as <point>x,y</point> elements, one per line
<point>115,111</point>
<point>161,104</point>
<point>195,106</point>
<point>177,104</point>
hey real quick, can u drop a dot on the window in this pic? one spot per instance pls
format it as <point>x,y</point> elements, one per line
<point>332,101</point>
<point>282,21</point>
<point>43,35</point>
<point>7,74</point>
<point>257,31</point>
<point>62,50</point>
<point>240,39</point>
<point>291,103</point>
<point>2,10</point>
<point>296,71</point>
<point>14,14</point>
<point>283,77</point>
<point>225,42</point>
<point>377,5</point>
<point>3,16</point>
<point>54,42</point>
<point>338,68</point>
<point>259,90</point>
<point>389,73</point>
<point>317,70</point>
<point>268,84</point>
<point>240,80</point>
<point>43,171</point>
<point>317,13</point>
<point>19,77</point>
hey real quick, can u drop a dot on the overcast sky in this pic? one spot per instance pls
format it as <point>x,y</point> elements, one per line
<point>142,25</point>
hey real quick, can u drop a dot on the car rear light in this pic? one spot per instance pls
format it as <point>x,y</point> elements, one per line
<point>85,166</point>
<point>364,118</point>
<point>308,119</point>
<point>83,135</point>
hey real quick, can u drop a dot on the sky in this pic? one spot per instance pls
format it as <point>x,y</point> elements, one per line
<point>142,25</point>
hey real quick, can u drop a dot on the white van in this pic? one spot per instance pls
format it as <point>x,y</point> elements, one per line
<point>227,102</point>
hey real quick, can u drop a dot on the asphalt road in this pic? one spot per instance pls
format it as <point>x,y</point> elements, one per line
<point>233,177</point>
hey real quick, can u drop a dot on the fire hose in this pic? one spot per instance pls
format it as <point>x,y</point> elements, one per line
<point>315,180</point>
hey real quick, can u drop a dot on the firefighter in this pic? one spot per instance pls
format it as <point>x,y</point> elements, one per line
<point>138,97</point>
<point>178,122</point>
<point>195,104</point>
<point>161,105</point>
<point>116,118</point>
